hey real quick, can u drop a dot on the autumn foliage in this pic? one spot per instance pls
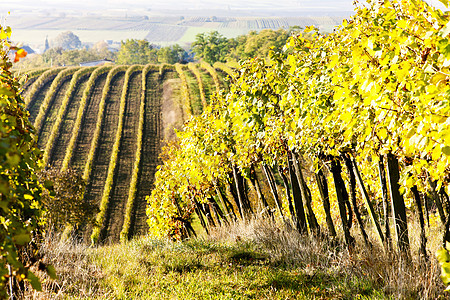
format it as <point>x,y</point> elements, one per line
<point>347,121</point>
<point>20,191</point>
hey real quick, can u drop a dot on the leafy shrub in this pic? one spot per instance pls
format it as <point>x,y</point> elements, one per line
<point>20,191</point>
<point>63,199</point>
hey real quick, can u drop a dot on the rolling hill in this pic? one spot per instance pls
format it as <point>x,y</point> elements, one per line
<point>109,123</point>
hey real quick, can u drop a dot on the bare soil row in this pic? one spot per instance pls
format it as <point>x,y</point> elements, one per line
<point>52,111</point>
<point>124,168</point>
<point>65,133</point>
<point>161,89</point>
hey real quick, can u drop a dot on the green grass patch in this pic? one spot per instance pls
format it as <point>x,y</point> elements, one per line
<point>201,269</point>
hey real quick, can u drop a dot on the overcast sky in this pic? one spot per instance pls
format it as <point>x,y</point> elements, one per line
<point>177,4</point>
<point>267,5</point>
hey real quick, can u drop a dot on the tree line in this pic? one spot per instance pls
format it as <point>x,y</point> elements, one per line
<point>212,47</point>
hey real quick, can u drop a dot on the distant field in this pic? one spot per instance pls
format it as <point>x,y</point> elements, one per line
<point>37,36</point>
<point>32,30</point>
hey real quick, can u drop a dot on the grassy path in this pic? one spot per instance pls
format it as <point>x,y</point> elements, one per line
<point>63,138</point>
<point>251,261</point>
<point>223,79</point>
<point>124,168</point>
<point>208,84</point>
<point>194,92</point>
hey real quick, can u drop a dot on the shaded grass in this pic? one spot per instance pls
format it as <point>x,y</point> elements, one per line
<point>202,269</point>
<point>253,260</point>
<point>194,92</point>
<point>236,267</point>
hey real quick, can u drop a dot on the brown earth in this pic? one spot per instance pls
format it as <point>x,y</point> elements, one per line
<point>61,143</point>
<point>115,213</point>
<point>35,103</point>
<point>52,111</point>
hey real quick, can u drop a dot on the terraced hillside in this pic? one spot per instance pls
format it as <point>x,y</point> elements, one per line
<point>109,123</point>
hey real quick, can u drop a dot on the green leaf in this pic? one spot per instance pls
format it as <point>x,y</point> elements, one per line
<point>445,2</point>
<point>442,255</point>
<point>48,184</point>
<point>34,281</point>
<point>446,150</point>
<point>22,239</point>
<point>51,272</point>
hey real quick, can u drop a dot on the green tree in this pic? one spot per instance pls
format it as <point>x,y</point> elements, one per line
<point>136,52</point>
<point>211,47</point>
<point>259,43</point>
<point>171,55</point>
<point>20,191</point>
<point>67,40</point>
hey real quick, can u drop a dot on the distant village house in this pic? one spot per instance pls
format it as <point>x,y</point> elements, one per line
<point>96,63</point>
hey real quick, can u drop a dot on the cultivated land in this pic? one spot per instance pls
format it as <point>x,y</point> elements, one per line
<point>34,29</point>
<point>62,141</point>
<point>101,112</point>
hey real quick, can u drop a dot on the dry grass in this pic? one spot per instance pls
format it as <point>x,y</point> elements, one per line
<point>256,260</point>
<point>76,271</point>
<point>413,280</point>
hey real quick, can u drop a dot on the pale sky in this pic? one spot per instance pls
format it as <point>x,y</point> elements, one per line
<point>155,5</point>
<point>177,4</point>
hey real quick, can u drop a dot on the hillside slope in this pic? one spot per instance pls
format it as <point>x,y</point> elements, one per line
<point>109,123</point>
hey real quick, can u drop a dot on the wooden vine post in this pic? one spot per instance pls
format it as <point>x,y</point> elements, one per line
<point>398,206</point>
